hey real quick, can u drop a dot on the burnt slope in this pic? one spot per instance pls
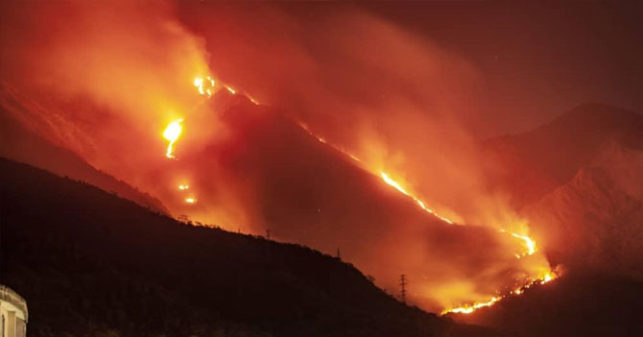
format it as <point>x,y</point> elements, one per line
<point>90,263</point>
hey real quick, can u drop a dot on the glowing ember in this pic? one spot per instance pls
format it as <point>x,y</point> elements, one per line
<point>190,200</point>
<point>230,90</point>
<point>254,101</point>
<point>184,187</point>
<point>171,134</point>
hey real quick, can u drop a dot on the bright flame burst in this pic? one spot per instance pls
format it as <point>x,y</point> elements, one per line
<point>171,134</point>
<point>205,85</point>
<point>527,242</point>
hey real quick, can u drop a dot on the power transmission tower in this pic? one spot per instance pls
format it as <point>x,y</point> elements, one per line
<point>403,283</point>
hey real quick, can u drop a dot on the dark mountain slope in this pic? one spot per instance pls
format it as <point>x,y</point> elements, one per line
<point>578,304</point>
<point>89,263</point>
<point>531,164</point>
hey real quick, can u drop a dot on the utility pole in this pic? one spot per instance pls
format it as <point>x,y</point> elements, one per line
<point>339,254</point>
<point>403,283</point>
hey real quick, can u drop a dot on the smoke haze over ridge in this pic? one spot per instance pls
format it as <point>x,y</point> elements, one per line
<point>112,76</point>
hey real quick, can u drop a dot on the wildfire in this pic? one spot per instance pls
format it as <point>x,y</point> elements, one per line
<point>527,242</point>
<point>205,85</point>
<point>469,308</point>
<point>387,179</point>
<point>253,100</point>
<point>231,90</point>
<point>171,134</point>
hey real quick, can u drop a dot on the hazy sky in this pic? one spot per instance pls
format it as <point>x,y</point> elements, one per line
<point>535,61</point>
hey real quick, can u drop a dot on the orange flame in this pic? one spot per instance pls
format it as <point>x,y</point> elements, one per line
<point>205,85</point>
<point>469,308</point>
<point>171,134</point>
<point>387,179</point>
<point>529,243</point>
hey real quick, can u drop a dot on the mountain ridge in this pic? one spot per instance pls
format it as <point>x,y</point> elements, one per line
<point>150,275</point>
<point>23,145</point>
<point>531,164</point>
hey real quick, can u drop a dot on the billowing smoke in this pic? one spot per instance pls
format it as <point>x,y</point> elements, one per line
<point>112,76</point>
<point>129,66</point>
<point>391,97</point>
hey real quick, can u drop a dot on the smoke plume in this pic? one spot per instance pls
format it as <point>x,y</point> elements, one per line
<point>108,78</point>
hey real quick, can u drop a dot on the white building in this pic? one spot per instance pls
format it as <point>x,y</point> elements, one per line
<point>13,313</point>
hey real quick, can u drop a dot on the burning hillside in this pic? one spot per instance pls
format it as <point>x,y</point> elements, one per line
<point>320,158</point>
